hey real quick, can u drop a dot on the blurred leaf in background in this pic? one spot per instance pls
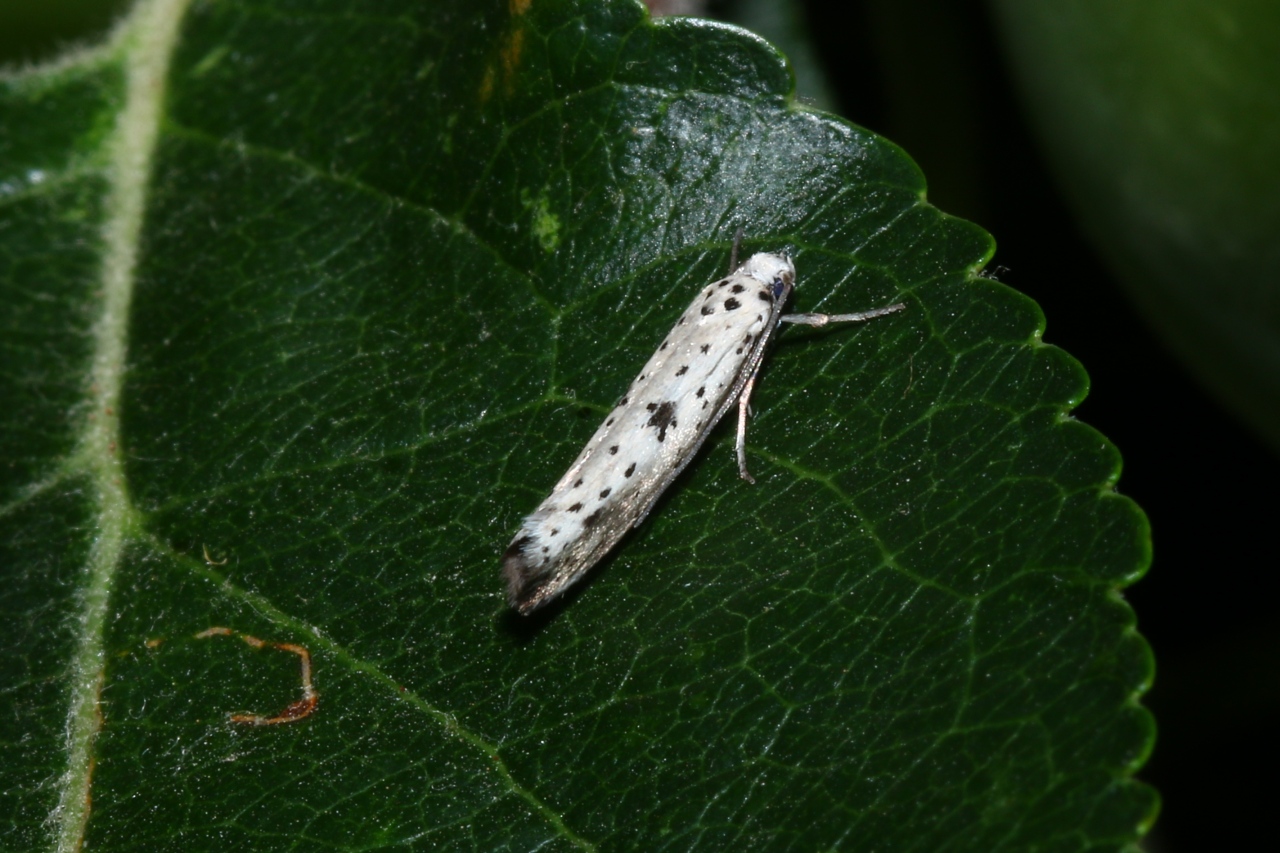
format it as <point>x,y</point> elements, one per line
<point>1163,123</point>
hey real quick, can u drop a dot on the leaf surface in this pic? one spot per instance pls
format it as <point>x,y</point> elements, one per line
<point>306,304</point>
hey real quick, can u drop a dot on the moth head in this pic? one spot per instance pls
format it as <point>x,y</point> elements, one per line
<point>776,271</point>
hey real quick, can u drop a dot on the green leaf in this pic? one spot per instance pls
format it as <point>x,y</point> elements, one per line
<point>306,304</point>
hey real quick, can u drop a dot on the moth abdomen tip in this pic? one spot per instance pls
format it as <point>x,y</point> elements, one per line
<point>523,578</point>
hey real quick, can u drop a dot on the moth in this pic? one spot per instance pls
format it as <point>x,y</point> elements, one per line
<point>704,366</point>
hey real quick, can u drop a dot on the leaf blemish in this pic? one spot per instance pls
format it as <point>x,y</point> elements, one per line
<point>298,710</point>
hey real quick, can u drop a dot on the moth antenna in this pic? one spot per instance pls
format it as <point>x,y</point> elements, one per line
<point>733,253</point>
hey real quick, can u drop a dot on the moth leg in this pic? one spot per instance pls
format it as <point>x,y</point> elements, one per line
<point>824,319</point>
<point>744,409</point>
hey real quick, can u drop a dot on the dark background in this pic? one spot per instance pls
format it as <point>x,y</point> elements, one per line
<point>929,75</point>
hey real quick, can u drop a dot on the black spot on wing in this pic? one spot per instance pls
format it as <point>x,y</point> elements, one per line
<point>518,546</point>
<point>684,368</point>
<point>664,415</point>
<point>737,288</point>
<point>591,520</point>
<point>732,304</point>
<point>604,493</point>
<point>613,451</point>
<point>706,348</point>
<point>576,507</point>
<point>631,469</point>
<point>708,310</point>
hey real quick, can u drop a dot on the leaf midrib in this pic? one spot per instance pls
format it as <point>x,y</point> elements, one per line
<point>145,41</point>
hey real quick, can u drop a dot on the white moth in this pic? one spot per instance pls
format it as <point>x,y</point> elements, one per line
<point>708,362</point>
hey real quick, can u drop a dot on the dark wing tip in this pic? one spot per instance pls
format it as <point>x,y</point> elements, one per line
<point>524,580</point>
